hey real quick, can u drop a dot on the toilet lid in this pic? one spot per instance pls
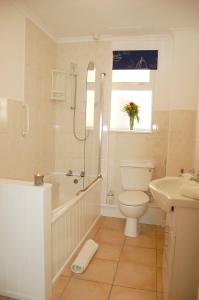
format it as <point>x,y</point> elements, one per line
<point>133,198</point>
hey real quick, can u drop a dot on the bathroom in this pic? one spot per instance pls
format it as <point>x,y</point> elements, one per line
<point>38,41</point>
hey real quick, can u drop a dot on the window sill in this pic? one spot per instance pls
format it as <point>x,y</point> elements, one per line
<point>131,131</point>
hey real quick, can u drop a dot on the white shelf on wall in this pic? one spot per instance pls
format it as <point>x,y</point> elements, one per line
<point>58,88</point>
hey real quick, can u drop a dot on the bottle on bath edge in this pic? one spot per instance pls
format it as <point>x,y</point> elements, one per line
<point>110,198</point>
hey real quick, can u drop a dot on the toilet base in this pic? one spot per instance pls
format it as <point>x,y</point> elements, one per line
<point>131,227</point>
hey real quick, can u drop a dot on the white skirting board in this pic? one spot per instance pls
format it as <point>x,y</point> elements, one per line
<point>154,214</point>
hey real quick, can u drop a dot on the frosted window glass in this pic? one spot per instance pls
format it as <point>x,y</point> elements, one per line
<point>90,108</point>
<point>120,119</point>
<point>131,76</point>
<point>91,76</point>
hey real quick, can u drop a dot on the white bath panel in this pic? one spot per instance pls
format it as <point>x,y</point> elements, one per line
<point>70,225</point>
<point>25,235</point>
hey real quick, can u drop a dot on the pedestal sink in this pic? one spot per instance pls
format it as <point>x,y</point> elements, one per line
<point>181,242</point>
<point>166,192</point>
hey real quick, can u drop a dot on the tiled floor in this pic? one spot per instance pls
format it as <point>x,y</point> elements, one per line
<point>122,269</point>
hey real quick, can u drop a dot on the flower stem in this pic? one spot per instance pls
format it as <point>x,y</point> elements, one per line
<point>131,122</point>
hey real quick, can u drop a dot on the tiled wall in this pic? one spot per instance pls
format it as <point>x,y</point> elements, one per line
<point>174,110</point>
<point>116,146</point>
<point>136,146</point>
<point>21,157</point>
<point>69,152</point>
<point>181,141</point>
<point>51,145</point>
<point>12,51</point>
<point>171,148</point>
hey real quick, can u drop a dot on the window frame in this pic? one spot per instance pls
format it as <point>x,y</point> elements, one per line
<point>133,86</point>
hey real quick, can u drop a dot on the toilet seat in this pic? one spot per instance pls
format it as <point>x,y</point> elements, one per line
<point>133,198</point>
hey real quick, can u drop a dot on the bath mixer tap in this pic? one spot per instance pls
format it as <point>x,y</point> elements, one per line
<point>69,173</point>
<point>82,174</point>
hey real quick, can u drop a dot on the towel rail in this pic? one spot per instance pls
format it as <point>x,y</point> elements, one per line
<point>89,185</point>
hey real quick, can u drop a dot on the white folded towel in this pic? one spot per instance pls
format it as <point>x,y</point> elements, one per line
<point>190,190</point>
<point>84,257</point>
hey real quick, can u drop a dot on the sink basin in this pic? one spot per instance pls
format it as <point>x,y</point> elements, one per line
<point>166,192</point>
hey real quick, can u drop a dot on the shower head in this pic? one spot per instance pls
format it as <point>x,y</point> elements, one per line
<point>91,66</point>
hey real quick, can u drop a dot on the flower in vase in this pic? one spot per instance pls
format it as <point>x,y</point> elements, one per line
<point>132,110</point>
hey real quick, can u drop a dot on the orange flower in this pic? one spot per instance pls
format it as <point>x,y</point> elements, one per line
<point>132,110</point>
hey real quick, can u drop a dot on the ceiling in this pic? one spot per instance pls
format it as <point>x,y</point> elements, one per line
<point>66,19</point>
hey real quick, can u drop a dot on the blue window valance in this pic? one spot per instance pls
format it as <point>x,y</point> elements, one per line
<point>135,60</point>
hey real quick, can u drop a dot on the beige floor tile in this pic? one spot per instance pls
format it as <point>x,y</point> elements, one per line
<point>115,224</point>
<point>159,279</point>
<point>67,271</point>
<point>109,237</point>
<point>99,270</point>
<point>144,256</point>
<point>108,251</point>
<point>160,243</point>
<point>100,222</point>
<point>95,229</point>
<point>159,257</point>
<point>147,229</point>
<point>159,296</point>
<point>93,233</point>
<point>145,241</point>
<point>136,276</point>
<point>86,290</point>
<point>59,287</point>
<point>122,293</point>
<point>160,232</point>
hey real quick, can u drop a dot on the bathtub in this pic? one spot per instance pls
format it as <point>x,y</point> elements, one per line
<point>63,188</point>
<point>73,216</point>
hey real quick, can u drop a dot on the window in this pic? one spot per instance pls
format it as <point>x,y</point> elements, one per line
<point>90,101</point>
<point>131,86</point>
<point>131,75</point>
<point>90,108</point>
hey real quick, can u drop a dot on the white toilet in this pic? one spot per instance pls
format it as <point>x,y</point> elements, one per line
<point>133,201</point>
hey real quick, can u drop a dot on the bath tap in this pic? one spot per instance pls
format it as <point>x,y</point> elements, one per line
<point>82,174</point>
<point>69,173</point>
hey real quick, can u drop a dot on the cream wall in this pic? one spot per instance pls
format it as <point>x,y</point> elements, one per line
<point>12,52</point>
<point>21,157</point>
<point>69,152</point>
<point>174,109</point>
<point>51,145</point>
<point>183,104</point>
<point>184,70</point>
<point>144,146</point>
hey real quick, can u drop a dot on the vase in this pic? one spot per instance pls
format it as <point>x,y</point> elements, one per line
<point>131,119</point>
